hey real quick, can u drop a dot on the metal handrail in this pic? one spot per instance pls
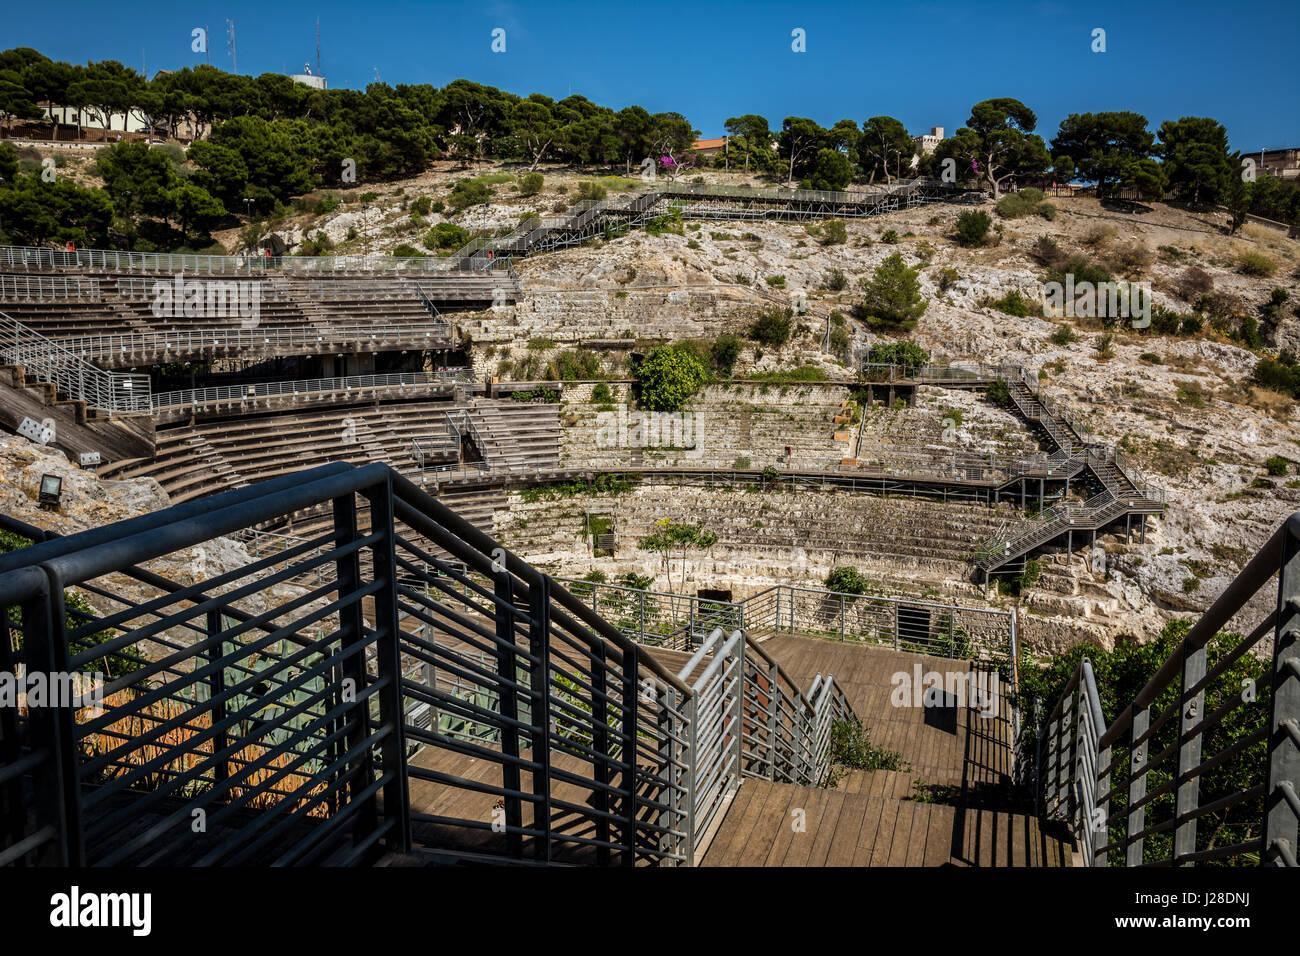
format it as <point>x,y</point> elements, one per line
<point>904,623</point>
<point>72,376</point>
<point>1098,778</point>
<point>48,287</point>
<point>196,341</point>
<point>44,257</point>
<point>199,397</point>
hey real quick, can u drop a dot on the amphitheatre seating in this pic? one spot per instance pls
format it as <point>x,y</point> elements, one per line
<point>892,531</point>
<point>517,436</point>
<point>61,319</point>
<point>194,460</point>
<point>754,422</point>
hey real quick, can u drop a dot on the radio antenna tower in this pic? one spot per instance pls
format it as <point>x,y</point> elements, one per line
<point>318,69</point>
<point>230,34</point>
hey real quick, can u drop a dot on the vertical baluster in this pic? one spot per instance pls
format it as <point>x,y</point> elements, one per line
<point>1137,788</point>
<point>1191,711</point>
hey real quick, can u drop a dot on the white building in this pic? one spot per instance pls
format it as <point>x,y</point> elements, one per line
<point>926,142</point>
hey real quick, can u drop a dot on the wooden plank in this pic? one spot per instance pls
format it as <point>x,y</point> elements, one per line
<point>901,835</point>
<point>884,836</point>
<point>839,827</point>
<point>811,801</point>
<point>828,809</point>
<point>736,824</point>
<point>919,835</point>
<point>940,842</point>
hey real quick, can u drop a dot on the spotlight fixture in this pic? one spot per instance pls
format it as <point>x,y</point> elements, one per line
<point>51,492</point>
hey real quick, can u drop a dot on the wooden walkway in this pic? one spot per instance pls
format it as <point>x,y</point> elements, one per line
<point>951,745</point>
<point>872,818</point>
<point>774,824</point>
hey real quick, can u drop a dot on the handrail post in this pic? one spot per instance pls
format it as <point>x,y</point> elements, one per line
<point>1191,709</point>
<point>692,763</point>
<point>1102,835</point>
<point>216,690</point>
<point>1137,789</point>
<point>352,640</point>
<point>539,643</point>
<point>1281,825</point>
<point>773,717</point>
<point>503,592</point>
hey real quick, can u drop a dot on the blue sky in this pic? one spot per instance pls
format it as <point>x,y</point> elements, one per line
<point>924,63</point>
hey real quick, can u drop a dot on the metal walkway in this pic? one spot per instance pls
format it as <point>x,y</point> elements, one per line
<point>588,219</point>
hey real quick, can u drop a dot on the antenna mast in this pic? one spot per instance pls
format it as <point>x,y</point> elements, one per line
<point>230,33</point>
<point>318,70</point>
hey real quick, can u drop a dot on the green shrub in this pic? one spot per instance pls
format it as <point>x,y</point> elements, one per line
<point>530,184</point>
<point>1014,303</point>
<point>902,352</point>
<point>773,327</point>
<point>591,190</point>
<point>972,227</point>
<point>668,377</point>
<point>893,295</point>
<point>889,237</point>
<point>851,747</point>
<point>469,192</point>
<point>601,394</point>
<point>1280,374</point>
<point>574,365</point>
<point>834,232</point>
<point>1013,206</point>
<point>846,580</point>
<point>446,235</point>
<point>776,282</point>
<point>1062,335</point>
<point>1253,263</point>
<point>723,354</point>
<point>405,251</point>
<point>999,393</point>
<point>1276,465</point>
<point>836,280</point>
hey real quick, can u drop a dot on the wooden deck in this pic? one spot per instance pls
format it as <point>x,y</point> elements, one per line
<point>860,829</point>
<point>872,818</point>
<point>950,746</point>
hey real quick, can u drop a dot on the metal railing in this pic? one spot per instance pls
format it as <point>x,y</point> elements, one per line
<point>42,257</point>
<point>657,618</point>
<point>1201,765</point>
<point>786,736</point>
<point>1125,490</point>
<point>586,218</point>
<point>288,700</point>
<point>72,376</point>
<point>48,287</point>
<point>199,397</point>
<point>201,341</point>
<point>905,624</point>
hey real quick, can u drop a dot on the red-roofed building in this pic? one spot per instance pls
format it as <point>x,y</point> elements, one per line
<point>708,148</point>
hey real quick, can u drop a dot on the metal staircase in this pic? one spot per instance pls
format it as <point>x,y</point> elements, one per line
<point>587,219</point>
